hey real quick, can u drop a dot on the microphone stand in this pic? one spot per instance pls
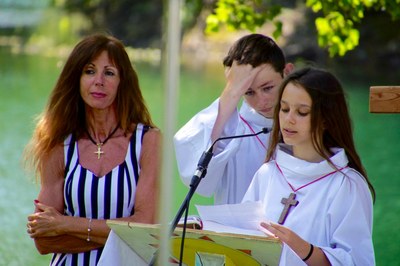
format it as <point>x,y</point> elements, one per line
<point>199,174</point>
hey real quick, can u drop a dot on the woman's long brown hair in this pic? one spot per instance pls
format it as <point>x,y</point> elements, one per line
<point>64,113</point>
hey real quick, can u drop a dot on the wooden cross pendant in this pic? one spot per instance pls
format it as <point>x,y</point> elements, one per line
<point>99,152</point>
<point>290,201</point>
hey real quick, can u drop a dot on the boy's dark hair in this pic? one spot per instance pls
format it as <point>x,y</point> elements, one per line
<point>256,49</point>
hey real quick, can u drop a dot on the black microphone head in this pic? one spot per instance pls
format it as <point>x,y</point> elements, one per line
<point>265,130</point>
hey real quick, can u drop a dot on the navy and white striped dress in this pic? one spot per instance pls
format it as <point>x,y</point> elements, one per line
<point>107,197</point>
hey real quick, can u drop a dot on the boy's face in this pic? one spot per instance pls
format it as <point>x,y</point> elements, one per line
<point>263,92</point>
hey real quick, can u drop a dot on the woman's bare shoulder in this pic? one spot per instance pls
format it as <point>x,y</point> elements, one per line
<point>153,135</point>
<point>53,164</point>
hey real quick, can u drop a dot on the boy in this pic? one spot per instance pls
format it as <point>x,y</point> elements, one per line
<point>254,69</point>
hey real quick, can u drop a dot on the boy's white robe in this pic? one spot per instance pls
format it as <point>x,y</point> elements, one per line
<point>234,162</point>
<point>334,213</point>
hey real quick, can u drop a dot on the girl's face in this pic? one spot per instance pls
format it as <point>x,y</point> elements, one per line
<point>295,118</point>
<point>99,82</point>
<point>263,92</point>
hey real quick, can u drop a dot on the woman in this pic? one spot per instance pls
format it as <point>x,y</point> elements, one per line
<point>314,187</point>
<point>96,152</point>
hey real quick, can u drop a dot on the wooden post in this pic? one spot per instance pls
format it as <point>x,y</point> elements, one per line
<point>384,99</point>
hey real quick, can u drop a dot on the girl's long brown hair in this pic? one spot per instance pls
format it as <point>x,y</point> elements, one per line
<point>330,119</point>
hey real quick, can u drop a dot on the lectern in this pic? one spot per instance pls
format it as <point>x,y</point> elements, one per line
<point>201,247</point>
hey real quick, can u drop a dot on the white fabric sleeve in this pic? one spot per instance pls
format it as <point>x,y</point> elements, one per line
<point>350,224</point>
<point>194,138</point>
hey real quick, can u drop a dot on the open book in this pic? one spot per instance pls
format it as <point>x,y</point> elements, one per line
<point>243,218</point>
<point>230,233</point>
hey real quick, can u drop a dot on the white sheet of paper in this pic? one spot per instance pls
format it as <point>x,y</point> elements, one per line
<point>220,228</point>
<point>242,218</point>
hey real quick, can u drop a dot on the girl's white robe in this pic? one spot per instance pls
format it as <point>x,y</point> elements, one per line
<point>334,213</point>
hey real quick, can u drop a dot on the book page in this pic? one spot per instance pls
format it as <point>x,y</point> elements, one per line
<point>242,218</point>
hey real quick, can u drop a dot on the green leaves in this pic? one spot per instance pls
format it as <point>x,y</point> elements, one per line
<point>336,29</point>
<point>336,33</point>
<point>242,14</point>
<point>336,23</point>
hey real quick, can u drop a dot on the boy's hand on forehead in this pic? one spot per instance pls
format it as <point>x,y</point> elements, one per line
<point>240,77</point>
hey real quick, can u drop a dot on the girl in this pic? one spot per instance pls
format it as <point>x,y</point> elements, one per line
<point>313,186</point>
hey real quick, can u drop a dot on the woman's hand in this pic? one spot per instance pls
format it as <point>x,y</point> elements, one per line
<point>44,222</point>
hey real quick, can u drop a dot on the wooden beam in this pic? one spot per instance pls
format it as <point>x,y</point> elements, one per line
<point>384,99</point>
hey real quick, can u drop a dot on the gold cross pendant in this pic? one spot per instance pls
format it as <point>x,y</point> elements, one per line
<point>99,152</point>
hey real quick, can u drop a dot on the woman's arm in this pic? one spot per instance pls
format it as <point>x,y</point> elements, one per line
<point>54,232</point>
<point>51,230</point>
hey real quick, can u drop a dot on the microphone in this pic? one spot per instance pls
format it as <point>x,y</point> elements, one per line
<point>200,173</point>
<point>207,155</point>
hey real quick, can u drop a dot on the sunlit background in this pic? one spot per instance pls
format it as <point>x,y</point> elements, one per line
<point>36,36</point>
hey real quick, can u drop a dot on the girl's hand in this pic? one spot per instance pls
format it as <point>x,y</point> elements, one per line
<point>296,243</point>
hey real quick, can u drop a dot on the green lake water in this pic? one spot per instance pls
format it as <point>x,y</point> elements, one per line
<point>25,83</point>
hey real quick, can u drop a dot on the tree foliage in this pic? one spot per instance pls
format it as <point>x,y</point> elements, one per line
<point>337,22</point>
<point>138,23</point>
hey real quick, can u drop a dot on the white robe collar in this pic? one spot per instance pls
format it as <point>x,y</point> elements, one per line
<point>297,171</point>
<point>253,117</point>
